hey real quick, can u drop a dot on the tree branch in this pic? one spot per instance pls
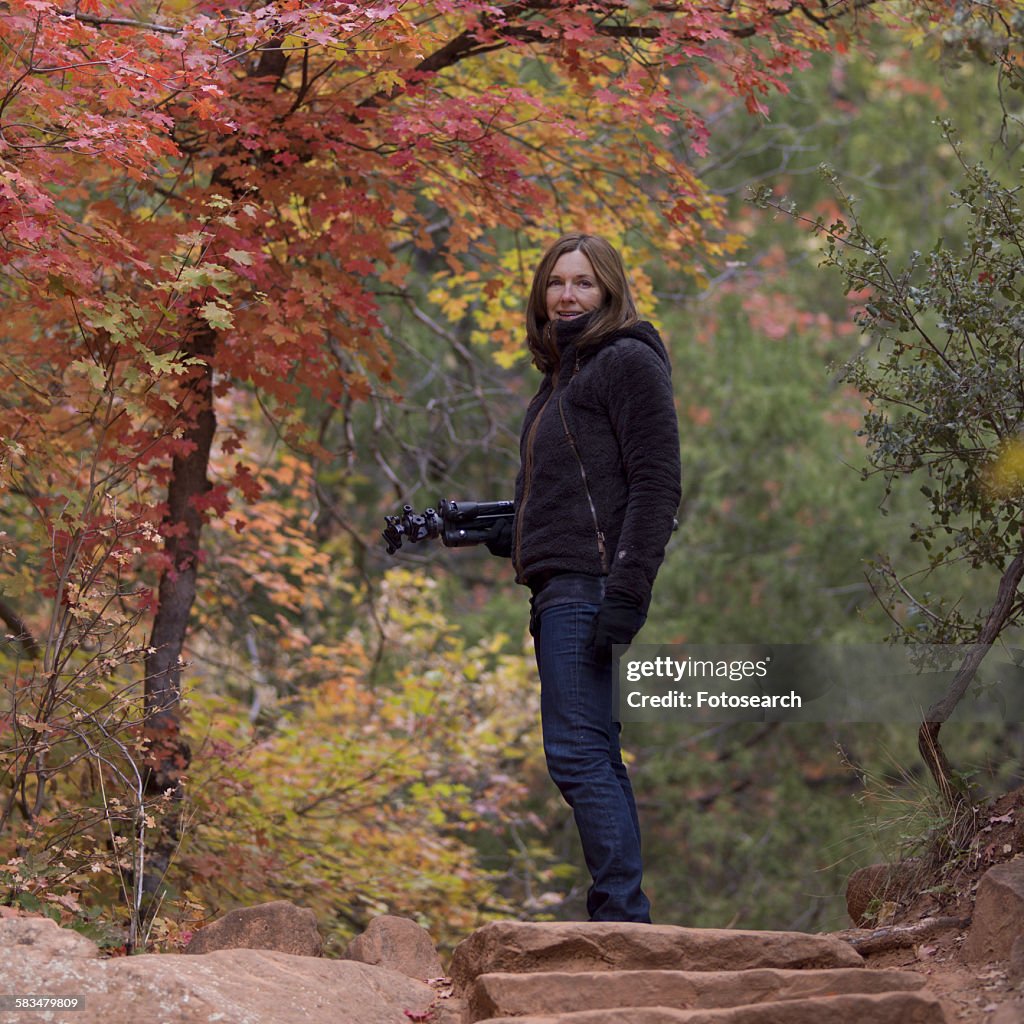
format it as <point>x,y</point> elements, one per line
<point>928,735</point>
<point>95,19</point>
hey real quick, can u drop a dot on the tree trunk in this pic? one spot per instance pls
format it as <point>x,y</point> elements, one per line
<point>167,755</point>
<point>953,795</point>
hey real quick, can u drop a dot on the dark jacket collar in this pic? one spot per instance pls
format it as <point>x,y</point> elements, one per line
<point>567,332</point>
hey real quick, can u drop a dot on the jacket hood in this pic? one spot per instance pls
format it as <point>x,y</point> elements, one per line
<point>645,331</point>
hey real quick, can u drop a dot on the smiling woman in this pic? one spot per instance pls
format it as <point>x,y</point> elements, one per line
<point>572,287</point>
<point>579,274</point>
<point>595,498</point>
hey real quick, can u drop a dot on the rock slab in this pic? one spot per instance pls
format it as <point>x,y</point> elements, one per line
<point>44,938</point>
<point>230,986</point>
<point>892,1008</point>
<point>519,995</point>
<point>279,925</point>
<point>260,986</point>
<point>519,947</point>
<point>398,943</point>
<point>998,918</point>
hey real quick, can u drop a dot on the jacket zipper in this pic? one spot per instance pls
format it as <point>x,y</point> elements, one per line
<point>517,540</point>
<point>586,486</point>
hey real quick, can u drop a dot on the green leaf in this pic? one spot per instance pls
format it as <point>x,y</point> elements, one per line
<point>217,316</point>
<point>96,374</point>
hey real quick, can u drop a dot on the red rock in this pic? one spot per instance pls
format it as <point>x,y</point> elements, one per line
<point>45,938</point>
<point>869,887</point>
<point>998,917</point>
<point>234,986</point>
<point>891,1008</point>
<point>512,995</point>
<point>604,946</point>
<point>398,943</point>
<point>277,925</point>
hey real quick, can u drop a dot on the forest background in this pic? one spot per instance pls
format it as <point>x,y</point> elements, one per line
<point>264,274</point>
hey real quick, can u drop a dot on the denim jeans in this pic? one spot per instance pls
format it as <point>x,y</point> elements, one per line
<point>581,744</point>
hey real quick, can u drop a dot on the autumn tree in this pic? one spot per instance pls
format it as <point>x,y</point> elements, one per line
<point>197,201</point>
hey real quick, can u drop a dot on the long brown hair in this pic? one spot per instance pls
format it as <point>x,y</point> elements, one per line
<point>617,310</point>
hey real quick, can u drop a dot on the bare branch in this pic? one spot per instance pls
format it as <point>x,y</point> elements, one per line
<point>95,19</point>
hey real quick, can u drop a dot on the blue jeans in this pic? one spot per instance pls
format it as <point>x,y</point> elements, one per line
<point>581,744</point>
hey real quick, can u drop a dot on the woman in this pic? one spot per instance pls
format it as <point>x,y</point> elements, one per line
<point>595,499</point>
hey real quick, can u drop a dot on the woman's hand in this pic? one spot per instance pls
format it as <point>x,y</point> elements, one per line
<point>500,542</point>
<point>617,621</point>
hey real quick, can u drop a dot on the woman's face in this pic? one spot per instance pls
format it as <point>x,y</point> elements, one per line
<point>572,287</point>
